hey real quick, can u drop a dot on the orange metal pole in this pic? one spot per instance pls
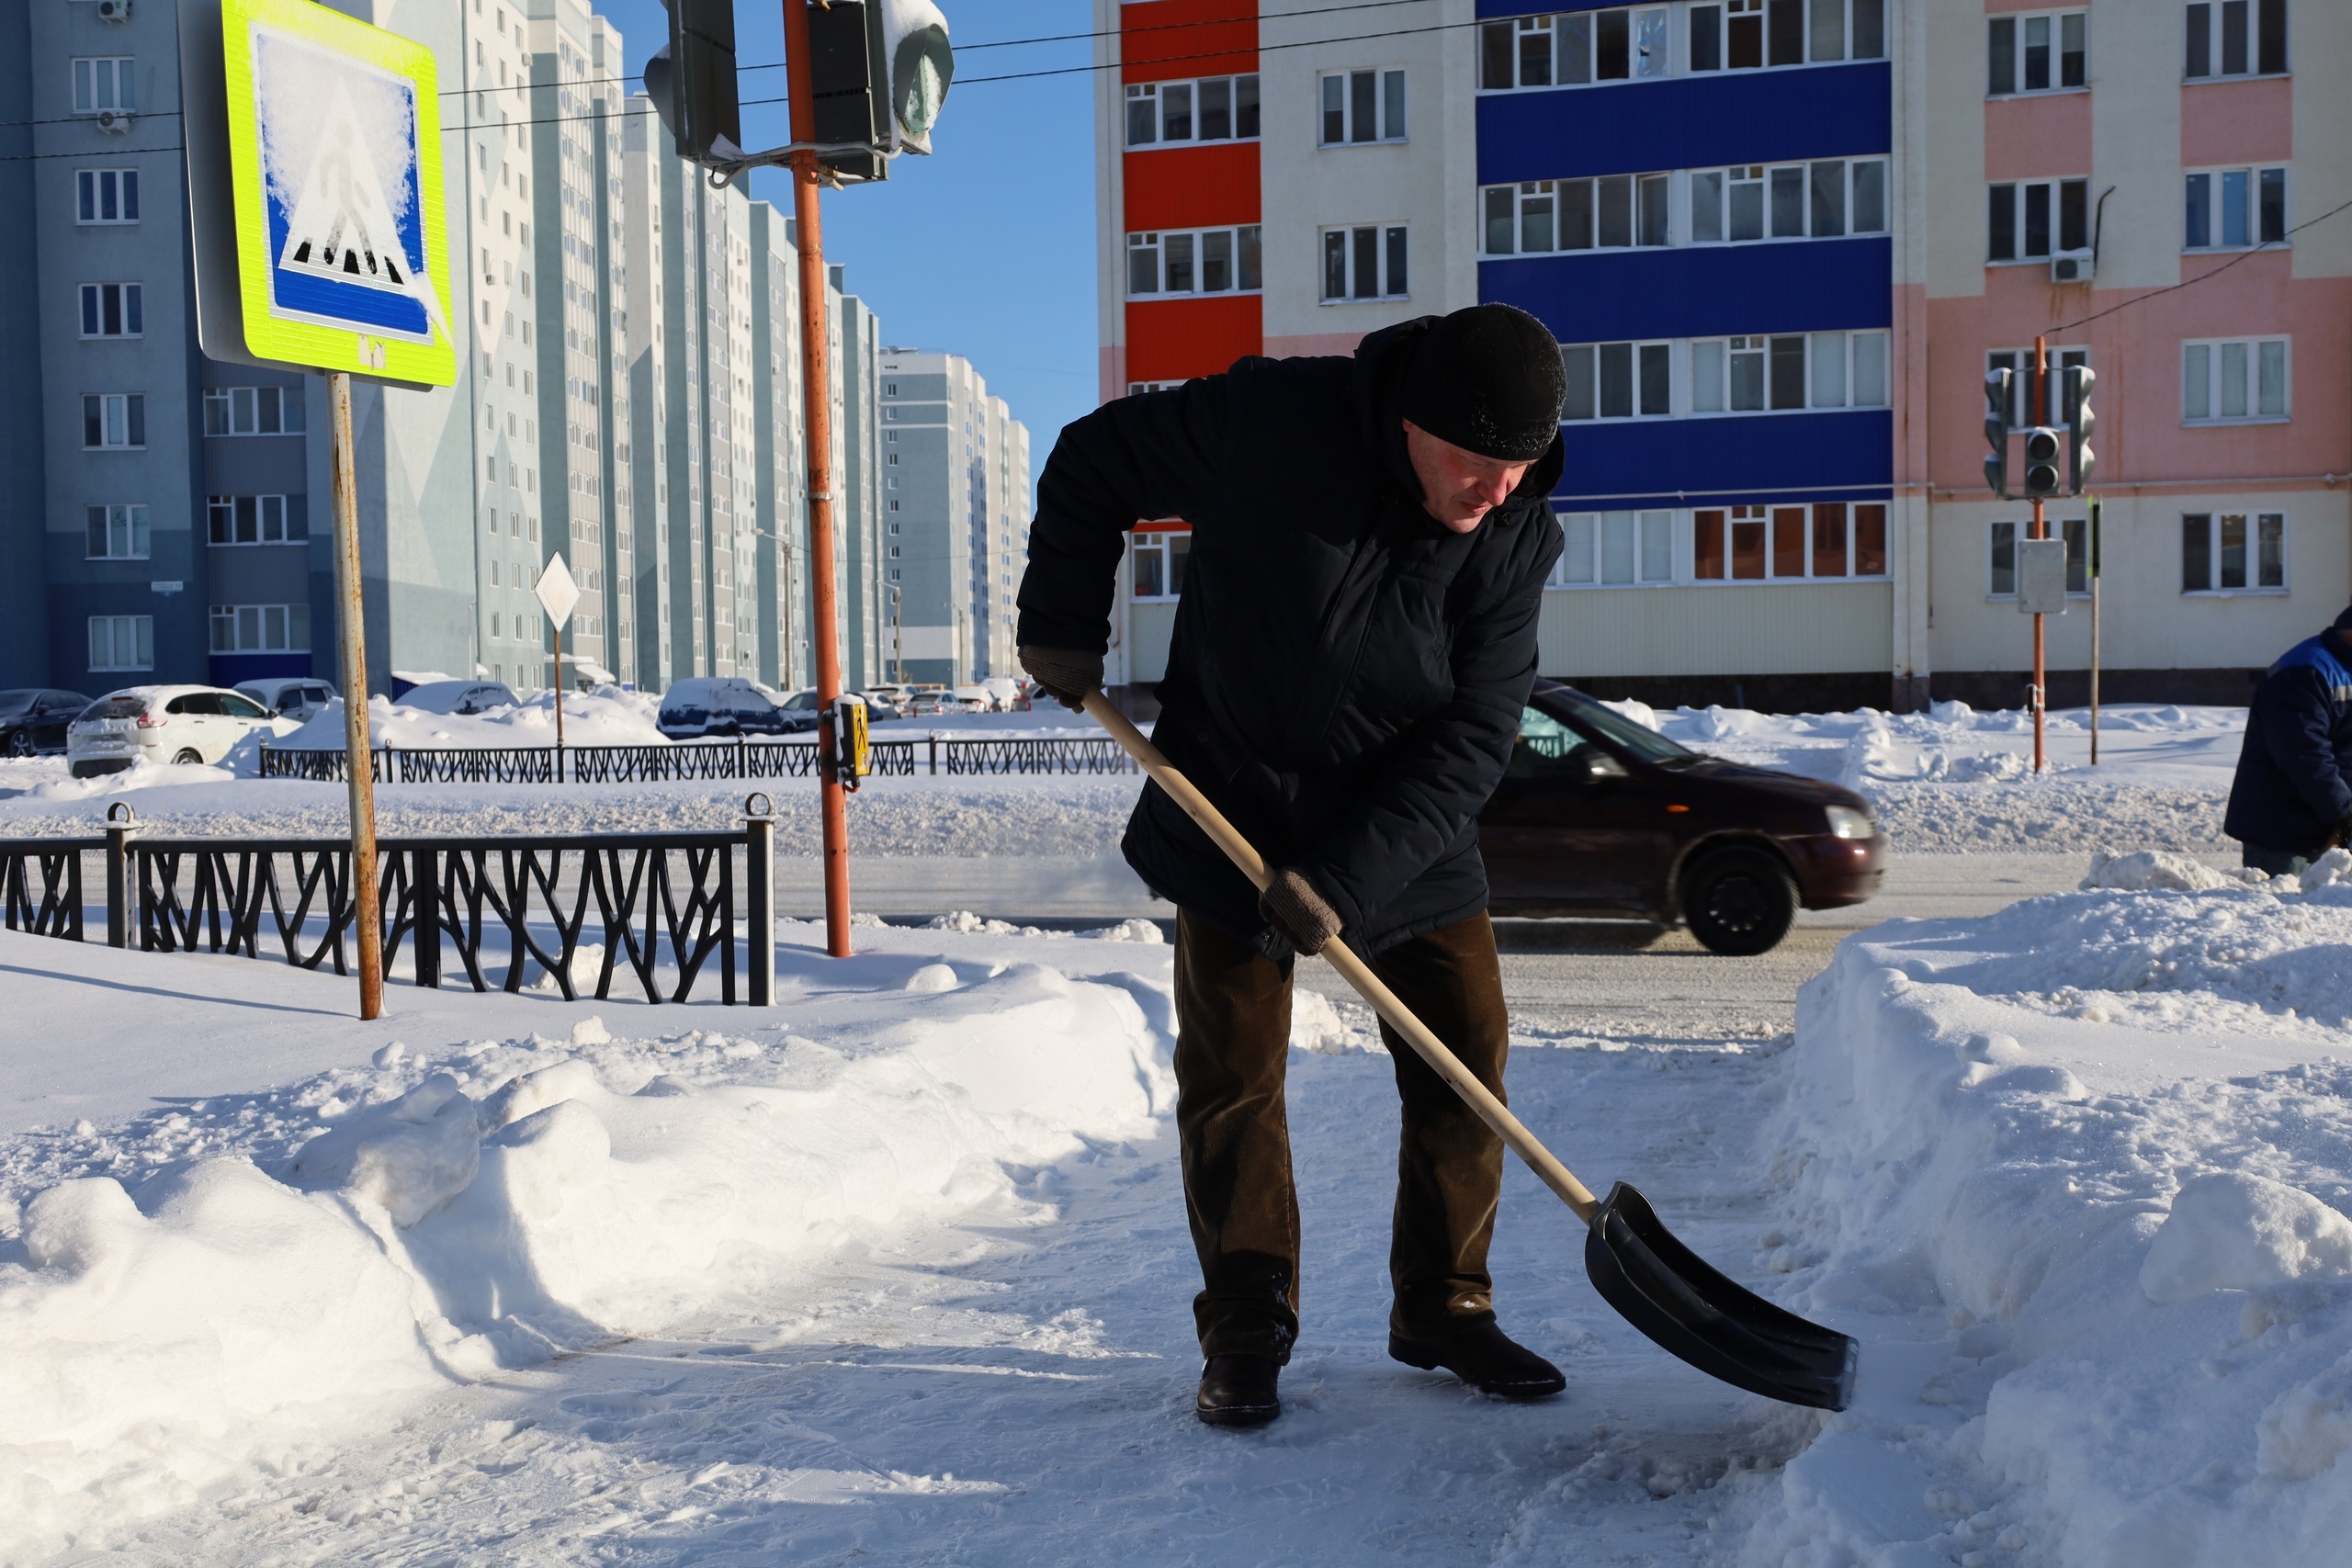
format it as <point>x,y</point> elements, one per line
<point>2040,528</point>
<point>359,755</point>
<point>817,388</point>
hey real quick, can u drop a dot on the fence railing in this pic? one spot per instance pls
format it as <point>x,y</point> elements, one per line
<point>653,909</point>
<point>691,760</point>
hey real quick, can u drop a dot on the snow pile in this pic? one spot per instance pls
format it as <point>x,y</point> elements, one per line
<point>968,923</point>
<point>261,1270</point>
<point>142,774</point>
<point>2151,870</point>
<point>604,717</point>
<point>2078,1175</point>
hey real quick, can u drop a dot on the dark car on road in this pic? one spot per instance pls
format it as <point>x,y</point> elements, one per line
<point>1600,816</point>
<point>33,720</point>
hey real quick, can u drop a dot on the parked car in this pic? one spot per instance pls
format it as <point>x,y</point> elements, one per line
<point>458,696</point>
<point>33,720</point>
<point>725,704</point>
<point>880,709</point>
<point>969,699</point>
<point>302,697</point>
<point>163,724</point>
<point>1597,815</point>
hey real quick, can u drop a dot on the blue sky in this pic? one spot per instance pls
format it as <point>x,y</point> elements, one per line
<point>986,248</point>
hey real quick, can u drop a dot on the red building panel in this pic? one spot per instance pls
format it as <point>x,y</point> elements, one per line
<point>1173,339</point>
<point>1169,40</point>
<point>1192,188</point>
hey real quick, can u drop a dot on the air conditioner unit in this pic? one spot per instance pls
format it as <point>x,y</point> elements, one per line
<point>2071,267</point>
<point>114,10</point>
<point>115,120</point>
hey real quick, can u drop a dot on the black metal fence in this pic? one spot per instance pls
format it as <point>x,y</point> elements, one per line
<point>652,910</point>
<point>691,760</point>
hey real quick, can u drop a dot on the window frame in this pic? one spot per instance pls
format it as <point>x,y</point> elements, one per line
<point>227,518</point>
<point>2017,26</point>
<point>1761,175</point>
<point>1863,533</point>
<point>1170,550</point>
<point>128,311</point>
<point>1853,368</point>
<point>1387,239</point>
<point>2216,214</point>
<point>141,634</point>
<point>225,403</point>
<point>233,621</point>
<point>1245,246</point>
<point>2251,543</point>
<point>99,410</point>
<point>2212,48</point>
<point>2054,216</point>
<point>2216,362</point>
<point>120,75</point>
<point>127,521</point>
<point>95,185</point>
<point>1698,42</point>
<point>1642,524</point>
<point>1157,92</point>
<point>1382,105</point>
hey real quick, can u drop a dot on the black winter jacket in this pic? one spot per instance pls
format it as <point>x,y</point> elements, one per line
<point>2293,788</point>
<point>1346,676</point>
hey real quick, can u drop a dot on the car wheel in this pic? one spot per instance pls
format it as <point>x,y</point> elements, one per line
<point>189,755</point>
<point>1739,902</point>
<point>20,743</point>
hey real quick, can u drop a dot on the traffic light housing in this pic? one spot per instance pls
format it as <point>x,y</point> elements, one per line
<point>1997,385</point>
<point>2080,461</point>
<point>879,71</point>
<point>2044,445</point>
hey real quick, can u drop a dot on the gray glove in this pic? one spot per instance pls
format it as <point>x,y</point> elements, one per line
<point>1294,906</point>
<point>1066,673</point>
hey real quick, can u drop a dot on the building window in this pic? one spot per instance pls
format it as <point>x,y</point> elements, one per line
<point>122,642</point>
<point>1828,200</point>
<point>2001,557</point>
<point>2233,552</point>
<point>261,628</point>
<point>1365,263</point>
<point>2234,209</point>
<point>1135,386</point>
<point>2023,218</point>
<point>264,519</point>
<point>112,309</point>
<point>1788,372</point>
<point>1618,381</point>
<point>1362,107</point>
<point>1614,549</point>
<point>106,196</point>
<point>2237,37</point>
<point>1159,559</point>
<point>1202,261</point>
<point>1217,108</point>
<point>114,420</point>
<point>116,532</point>
<point>2233,382</point>
<point>104,83</point>
<point>1614,212</point>
<point>1748,35</point>
<point>252,410</point>
<point>2018,363</point>
<point>1572,49</point>
<point>2037,54</point>
<point>1755,544</point>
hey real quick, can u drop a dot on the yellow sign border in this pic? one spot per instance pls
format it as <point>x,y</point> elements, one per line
<point>272,336</point>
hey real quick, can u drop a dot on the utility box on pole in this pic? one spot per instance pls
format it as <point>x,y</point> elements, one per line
<point>2041,577</point>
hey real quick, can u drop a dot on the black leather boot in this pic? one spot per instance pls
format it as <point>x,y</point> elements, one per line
<point>1238,1391</point>
<point>1481,1354</point>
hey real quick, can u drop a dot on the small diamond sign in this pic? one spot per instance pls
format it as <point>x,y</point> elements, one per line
<point>556,591</point>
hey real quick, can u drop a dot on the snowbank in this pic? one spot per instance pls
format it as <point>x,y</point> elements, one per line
<point>604,717</point>
<point>2078,1174</point>
<point>216,1286</point>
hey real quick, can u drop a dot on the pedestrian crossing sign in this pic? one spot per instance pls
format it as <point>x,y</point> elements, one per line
<point>335,152</point>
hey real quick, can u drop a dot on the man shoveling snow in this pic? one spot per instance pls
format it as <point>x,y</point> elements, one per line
<point>1356,639</point>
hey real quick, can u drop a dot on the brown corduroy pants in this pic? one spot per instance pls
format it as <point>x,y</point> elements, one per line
<point>1233,1046</point>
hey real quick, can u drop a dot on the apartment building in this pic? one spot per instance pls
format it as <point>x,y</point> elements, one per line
<point>1780,243</point>
<point>629,393</point>
<point>954,520</point>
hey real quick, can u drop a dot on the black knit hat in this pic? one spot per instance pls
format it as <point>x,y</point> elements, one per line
<point>2343,622</point>
<point>1488,380</point>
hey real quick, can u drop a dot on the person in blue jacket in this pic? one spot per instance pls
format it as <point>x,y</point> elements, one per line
<point>2291,801</point>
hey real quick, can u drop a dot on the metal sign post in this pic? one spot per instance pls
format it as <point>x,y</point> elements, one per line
<point>359,756</point>
<point>2040,527</point>
<point>2092,545</point>
<point>557,595</point>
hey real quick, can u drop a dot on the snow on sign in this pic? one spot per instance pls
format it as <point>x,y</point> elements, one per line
<point>336,158</point>
<point>557,592</point>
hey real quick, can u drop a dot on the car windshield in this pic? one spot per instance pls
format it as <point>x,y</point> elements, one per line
<point>1644,743</point>
<point>18,701</point>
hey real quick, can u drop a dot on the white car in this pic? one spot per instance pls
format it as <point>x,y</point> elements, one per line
<point>456,696</point>
<point>302,697</point>
<point>163,724</point>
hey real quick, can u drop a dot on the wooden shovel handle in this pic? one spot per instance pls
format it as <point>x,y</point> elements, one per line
<point>1357,973</point>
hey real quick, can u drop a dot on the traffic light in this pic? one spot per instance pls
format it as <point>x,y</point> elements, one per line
<point>2080,460</point>
<point>879,71</point>
<point>2043,443</point>
<point>1996,430</point>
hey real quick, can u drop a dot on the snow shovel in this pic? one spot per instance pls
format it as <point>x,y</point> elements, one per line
<point>1661,1286</point>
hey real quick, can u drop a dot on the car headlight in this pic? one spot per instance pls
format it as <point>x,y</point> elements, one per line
<point>1846,822</point>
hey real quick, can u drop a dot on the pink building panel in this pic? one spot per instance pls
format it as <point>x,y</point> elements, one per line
<point>2237,122</point>
<point>2037,138</point>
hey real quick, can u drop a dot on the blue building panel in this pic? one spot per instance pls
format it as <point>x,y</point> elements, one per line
<point>1687,122</point>
<point>1701,290</point>
<point>1848,454</point>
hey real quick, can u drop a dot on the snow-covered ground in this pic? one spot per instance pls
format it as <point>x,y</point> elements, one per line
<point>900,1272</point>
<point>1951,781</point>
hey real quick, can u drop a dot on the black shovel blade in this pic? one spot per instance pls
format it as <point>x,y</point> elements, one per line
<point>1669,1293</point>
